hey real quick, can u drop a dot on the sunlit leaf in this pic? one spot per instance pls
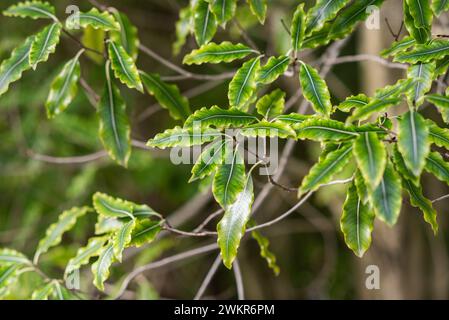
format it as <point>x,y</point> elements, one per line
<point>205,24</point>
<point>259,9</point>
<point>31,9</point>
<point>44,44</point>
<point>275,67</point>
<point>123,65</point>
<point>93,18</point>
<point>315,90</point>
<point>219,118</point>
<point>318,129</point>
<point>224,10</point>
<point>209,160</point>
<point>423,74</point>
<point>100,269</point>
<point>436,50</point>
<point>183,137</point>
<point>321,12</point>
<point>243,85</point>
<point>122,239</point>
<point>271,105</point>
<point>128,35</point>
<point>218,53</point>
<point>298,27</point>
<point>84,254</point>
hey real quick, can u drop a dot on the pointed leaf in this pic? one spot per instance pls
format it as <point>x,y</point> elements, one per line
<point>274,68</point>
<point>436,165</point>
<point>438,6</point>
<point>10,257</point>
<point>123,65</point>
<point>298,27</point>
<point>183,137</point>
<point>224,10</point>
<point>423,74</point>
<point>293,119</point>
<point>362,190</point>
<point>315,90</point>
<point>437,135</point>
<point>209,160</point>
<point>43,293</point>
<point>259,9</point>
<point>31,9</point>
<point>122,239</point>
<point>325,129</point>
<point>374,106</point>
<point>205,24</point>
<point>220,118</point>
<point>110,207</point>
<point>218,53</point>
<point>436,50</point>
<point>352,102</point>
<point>421,12</point>
<point>398,47</point>
<point>271,105</point>
<point>100,269</point>
<point>183,28</point>
<point>44,44</point>
<point>268,129</point>
<point>321,12</point>
<point>84,254</point>
<point>265,252</point>
<point>442,104</point>
<point>421,35</point>
<point>127,36</point>
<point>145,232</point>
<point>95,19</point>
<point>394,91</point>
<point>243,85</point>
<point>401,168</point>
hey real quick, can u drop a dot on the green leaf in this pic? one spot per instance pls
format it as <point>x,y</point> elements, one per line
<point>421,35</point>
<point>318,129</point>
<point>43,293</point>
<point>224,10</point>
<point>127,36</point>
<point>84,254</point>
<point>394,91</point>
<point>348,19</point>
<point>268,129</point>
<point>243,85</point>
<point>183,137</point>
<point>315,90</point>
<point>183,28</point>
<point>106,225</point>
<point>94,39</point>
<point>274,68</point>
<point>318,38</point>
<point>401,168</point>
<point>324,171</point>
<point>100,269</point>
<point>357,222</point>
<point>271,105</point>
<point>32,9</point>
<point>168,96</point>
<point>398,47</point>
<point>418,200</point>
<point>145,232</point>
<point>111,207</point>
<point>361,187</point>
<point>10,257</point>
<point>8,275</point>
<point>321,12</point>
<point>64,87</point>
<point>413,141</point>
<point>265,252</point>
<point>436,50</point>
<point>438,6</point>
<point>298,27</point>
<point>437,135</point>
<point>123,65</point>
<point>115,132</point>
<point>387,198</point>
<point>218,53</point>
<point>421,12</point>
<point>230,178</point>
<point>352,102</point>
<point>374,106</point>
<point>220,118</point>
<point>371,156</point>
<point>204,23</point>
<point>11,69</point>
<point>259,9</point>
<point>209,160</point>
<point>95,19</point>
<point>423,74</point>
<point>442,104</point>
<point>293,119</point>
<point>54,233</point>
<point>436,165</point>
<point>44,44</point>
<point>232,226</point>
<point>123,238</point>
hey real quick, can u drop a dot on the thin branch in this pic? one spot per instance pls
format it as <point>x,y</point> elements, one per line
<point>213,269</point>
<point>186,233</point>
<point>441,198</point>
<point>75,39</point>
<point>67,160</point>
<point>208,219</point>
<point>368,57</point>
<point>245,35</point>
<point>238,280</point>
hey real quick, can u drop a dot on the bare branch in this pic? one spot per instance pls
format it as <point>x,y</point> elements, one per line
<point>238,280</point>
<point>213,269</point>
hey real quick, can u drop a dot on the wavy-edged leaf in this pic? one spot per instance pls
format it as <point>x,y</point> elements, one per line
<point>122,239</point>
<point>293,119</point>
<point>362,189</point>
<point>357,222</point>
<point>319,129</point>
<point>265,252</point>
<point>232,226</point>
<point>183,137</point>
<point>269,129</point>
<point>115,131</point>
<point>437,135</point>
<point>243,85</point>
<point>423,74</point>
<point>204,23</point>
<point>31,9</point>
<point>394,91</point>
<point>64,87</point>
<point>44,44</point>
<point>439,6</point>
<point>106,225</point>
<point>271,105</point>
<point>219,118</point>
<point>374,106</point>
<point>11,69</point>
<point>94,39</point>
<point>43,293</point>
<point>324,171</point>
<point>413,141</point>
<point>95,19</point>
<point>218,53</point>
<point>123,65</point>
<point>315,90</point>
<point>168,96</point>
<point>435,50</point>
<point>442,104</point>
<point>111,207</point>
<point>352,102</point>
<point>371,156</point>
<point>259,9</point>
<point>183,28</point>
<point>398,47</point>
<point>10,257</point>
<point>209,160</point>
<point>84,254</point>
<point>401,168</point>
<point>386,199</point>
<point>54,233</point>
<point>224,10</point>
<point>100,269</point>
<point>321,12</point>
<point>298,27</point>
<point>230,178</point>
<point>421,35</point>
<point>144,232</point>
<point>421,12</point>
<point>128,35</point>
<point>8,276</point>
<point>436,165</point>
<point>318,38</point>
<point>275,67</point>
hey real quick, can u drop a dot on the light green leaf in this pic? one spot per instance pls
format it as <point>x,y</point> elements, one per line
<point>324,171</point>
<point>122,239</point>
<point>357,222</point>
<point>436,165</point>
<point>145,232</point>
<point>268,129</point>
<point>275,67</point>
<point>394,91</point>
<point>64,87</point>
<point>361,187</point>
<point>100,269</point>
<point>421,12</point>
<point>43,293</point>
<point>401,168</point>
<point>437,135</point>
<point>371,156</point>
<point>220,118</point>
<point>321,12</point>
<point>54,233</point>
<point>230,178</point>
<point>413,141</point>
<point>232,226</point>
<point>183,137</point>
<point>95,19</point>
<point>111,207</point>
<point>442,104</point>
<point>298,27</point>
<point>243,85</point>
<point>271,105</point>
<point>123,65</point>
<point>265,252</point>
<point>398,47</point>
<point>318,38</point>
<point>44,44</point>
<point>32,9</point>
<point>387,198</point>
<point>115,132</point>
<point>293,119</point>
<point>127,36</point>
<point>204,23</point>
<point>352,102</point>
<point>10,257</point>
<point>11,69</point>
<point>318,129</point>
<point>167,95</point>
<point>224,10</point>
<point>84,254</point>
<point>259,9</point>
<point>107,225</point>
<point>315,90</point>
<point>423,74</point>
<point>183,28</point>
<point>421,35</point>
<point>94,39</point>
<point>8,275</point>
<point>209,160</point>
<point>436,50</point>
<point>218,53</point>
<point>438,6</point>
<point>374,106</point>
